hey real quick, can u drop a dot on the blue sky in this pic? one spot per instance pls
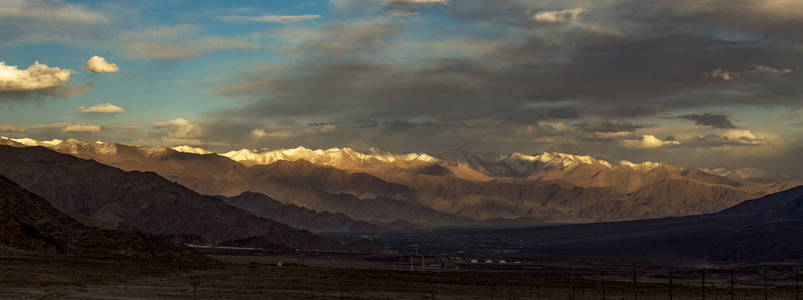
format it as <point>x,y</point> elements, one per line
<point>711,84</point>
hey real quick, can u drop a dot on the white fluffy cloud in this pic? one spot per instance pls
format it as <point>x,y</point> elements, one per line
<point>36,77</point>
<point>269,18</point>
<point>647,141</point>
<point>82,128</point>
<point>99,64</point>
<point>105,108</point>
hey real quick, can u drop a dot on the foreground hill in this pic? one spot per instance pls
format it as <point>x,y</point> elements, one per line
<point>764,229</point>
<point>104,196</point>
<point>28,222</point>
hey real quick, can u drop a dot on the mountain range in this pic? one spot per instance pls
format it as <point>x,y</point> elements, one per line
<point>425,190</point>
<point>99,195</point>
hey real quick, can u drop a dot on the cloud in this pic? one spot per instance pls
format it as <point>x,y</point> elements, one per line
<point>741,174</point>
<point>647,141</point>
<point>51,125</point>
<point>706,119</point>
<point>99,64</point>
<point>11,128</point>
<point>269,18</point>
<point>734,137</point>
<point>608,126</point>
<point>36,77</point>
<point>181,132</point>
<point>394,8</point>
<point>105,108</point>
<point>259,133</point>
<point>49,11</point>
<point>418,1</point>
<point>401,13</point>
<point>348,3</point>
<point>572,17</point>
<point>343,40</point>
<point>774,71</point>
<point>566,15</point>
<point>722,75</point>
<point>81,128</point>
<point>176,42</point>
<point>739,134</point>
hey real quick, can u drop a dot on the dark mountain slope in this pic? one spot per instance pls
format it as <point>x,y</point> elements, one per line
<point>28,222</point>
<point>101,195</point>
<point>299,217</point>
<point>764,229</point>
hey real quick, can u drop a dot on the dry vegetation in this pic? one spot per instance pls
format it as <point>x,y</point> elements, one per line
<point>26,276</point>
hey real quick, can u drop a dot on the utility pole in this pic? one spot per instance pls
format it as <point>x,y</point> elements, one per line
<point>703,284</point>
<point>422,261</point>
<point>571,289</point>
<point>341,286</point>
<point>797,284</point>
<point>635,284</point>
<point>766,289</point>
<point>733,293</point>
<point>602,282</point>
<point>670,282</point>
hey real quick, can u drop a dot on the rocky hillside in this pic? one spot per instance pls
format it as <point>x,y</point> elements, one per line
<point>104,196</point>
<point>766,229</point>
<point>299,217</point>
<point>28,222</point>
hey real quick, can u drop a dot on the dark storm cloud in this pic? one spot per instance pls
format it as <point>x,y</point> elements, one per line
<point>706,119</point>
<point>608,126</point>
<point>610,78</point>
<point>616,59</point>
<point>713,140</point>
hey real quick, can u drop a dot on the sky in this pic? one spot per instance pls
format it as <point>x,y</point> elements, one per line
<point>706,83</point>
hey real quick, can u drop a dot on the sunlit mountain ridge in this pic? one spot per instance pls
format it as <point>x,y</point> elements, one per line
<point>436,189</point>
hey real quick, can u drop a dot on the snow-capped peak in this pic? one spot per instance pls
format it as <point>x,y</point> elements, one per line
<point>645,166</point>
<point>332,156</point>
<point>32,143</point>
<point>190,149</point>
<point>556,159</point>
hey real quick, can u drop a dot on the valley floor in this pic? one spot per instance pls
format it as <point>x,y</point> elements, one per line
<point>38,277</point>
